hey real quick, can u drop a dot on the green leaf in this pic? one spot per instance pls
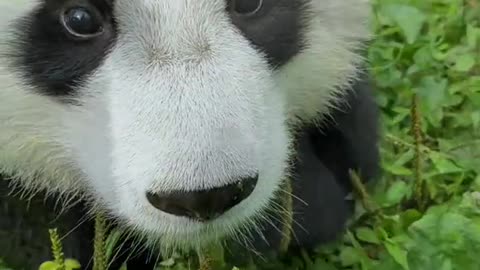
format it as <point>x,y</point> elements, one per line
<point>446,237</point>
<point>405,158</point>
<point>433,93</point>
<point>476,119</point>
<point>397,170</point>
<point>473,36</point>
<point>474,98</point>
<point>397,253</point>
<point>367,235</point>
<point>349,256</point>
<point>464,63</point>
<point>396,192</point>
<point>321,264</point>
<point>409,217</point>
<point>71,264</point>
<point>111,243</point>
<point>168,262</point>
<point>408,18</point>
<point>49,266</point>
<point>443,165</point>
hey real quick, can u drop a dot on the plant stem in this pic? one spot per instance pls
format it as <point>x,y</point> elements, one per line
<point>287,218</point>
<point>361,191</point>
<point>99,256</point>
<point>57,249</point>
<point>417,135</point>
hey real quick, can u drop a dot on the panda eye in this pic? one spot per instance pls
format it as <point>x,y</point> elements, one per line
<point>82,22</point>
<point>246,7</point>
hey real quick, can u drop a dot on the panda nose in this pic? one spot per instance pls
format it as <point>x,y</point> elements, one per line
<point>203,205</point>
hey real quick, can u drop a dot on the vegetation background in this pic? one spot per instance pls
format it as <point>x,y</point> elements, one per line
<point>425,213</point>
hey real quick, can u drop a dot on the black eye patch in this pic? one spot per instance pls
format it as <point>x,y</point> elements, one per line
<point>49,56</point>
<point>57,57</point>
<point>276,28</point>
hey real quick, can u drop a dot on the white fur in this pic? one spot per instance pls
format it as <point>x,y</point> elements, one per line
<point>181,102</point>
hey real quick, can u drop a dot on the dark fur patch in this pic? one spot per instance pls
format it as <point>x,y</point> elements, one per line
<point>320,173</point>
<point>277,29</point>
<point>56,65</point>
<point>48,58</point>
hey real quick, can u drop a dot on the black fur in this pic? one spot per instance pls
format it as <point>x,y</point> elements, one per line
<point>321,172</point>
<point>49,58</point>
<point>57,65</point>
<point>321,180</point>
<point>283,20</point>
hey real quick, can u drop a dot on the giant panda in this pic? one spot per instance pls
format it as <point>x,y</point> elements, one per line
<point>182,120</point>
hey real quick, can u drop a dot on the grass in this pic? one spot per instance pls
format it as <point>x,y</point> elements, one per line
<point>425,212</point>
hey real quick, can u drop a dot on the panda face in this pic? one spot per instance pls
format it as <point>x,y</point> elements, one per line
<point>172,115</point>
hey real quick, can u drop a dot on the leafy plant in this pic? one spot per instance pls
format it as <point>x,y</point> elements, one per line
<point>59,262</point>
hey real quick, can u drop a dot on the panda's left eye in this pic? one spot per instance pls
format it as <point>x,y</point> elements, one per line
<point>246,7</point>
<point>82,22</point>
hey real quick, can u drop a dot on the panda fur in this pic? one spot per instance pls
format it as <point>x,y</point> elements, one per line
<point>181,95</point>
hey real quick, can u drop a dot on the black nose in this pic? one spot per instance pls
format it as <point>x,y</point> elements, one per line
<point>203,205</point>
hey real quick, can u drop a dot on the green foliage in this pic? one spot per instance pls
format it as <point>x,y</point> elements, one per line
<point>59,262</point>
<point>3,266</point>
<point>68,264</point>
<point>427,51</point>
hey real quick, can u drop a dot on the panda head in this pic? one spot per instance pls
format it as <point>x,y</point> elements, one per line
<point>174,116</point>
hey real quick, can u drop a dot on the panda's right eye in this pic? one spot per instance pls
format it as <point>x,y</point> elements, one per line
<point>82,22</point>
<point>246,7</point>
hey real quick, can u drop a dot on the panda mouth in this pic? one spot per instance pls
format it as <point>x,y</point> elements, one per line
<point>203,205</point>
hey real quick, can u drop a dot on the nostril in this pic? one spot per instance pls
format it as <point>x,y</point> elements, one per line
<point>203,204</point>
<point>169,204</point>
<point>242,189</point>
